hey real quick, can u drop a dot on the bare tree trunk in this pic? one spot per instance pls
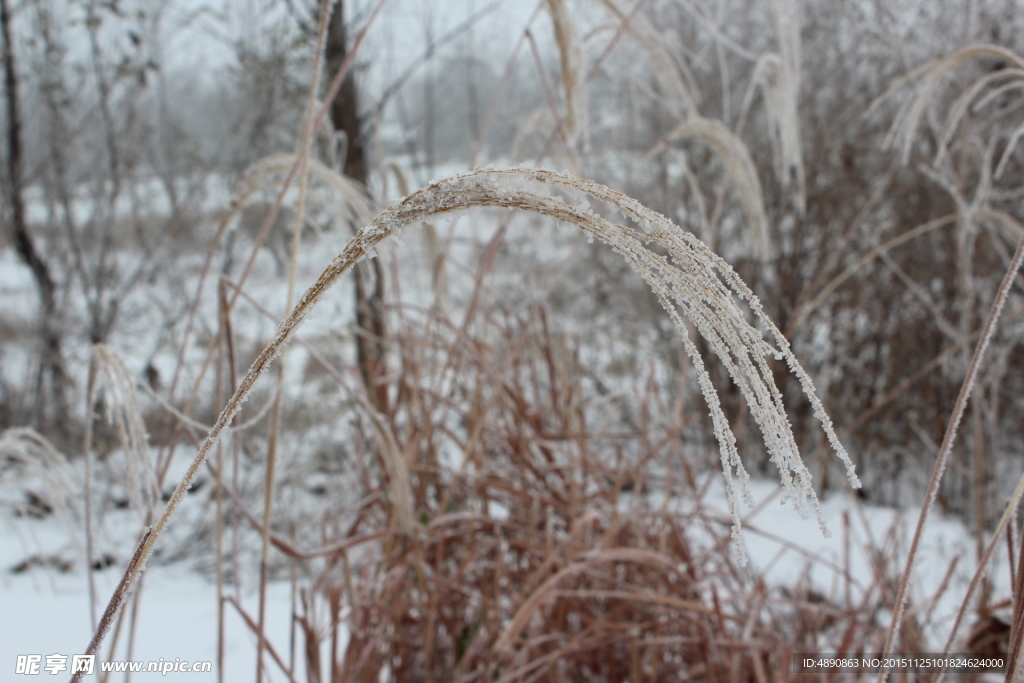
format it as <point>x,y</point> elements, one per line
<point>372,332</point>
<point>51,379</point>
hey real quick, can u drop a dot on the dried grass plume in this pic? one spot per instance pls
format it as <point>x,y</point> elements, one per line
<point>693,283</point>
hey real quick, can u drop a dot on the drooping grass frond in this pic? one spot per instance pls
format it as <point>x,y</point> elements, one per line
<point>29,449</point>
<point>970,99</point>
<point>345,198</point>
<point>570,54</point>
<point>780,83</point>
<point>928,78</point>
<point>740,168</point>
<point>115,384</point>
<point>694,283</point>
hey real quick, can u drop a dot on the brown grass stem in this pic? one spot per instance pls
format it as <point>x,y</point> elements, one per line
<point>305,141</point>
<point>122,591</point>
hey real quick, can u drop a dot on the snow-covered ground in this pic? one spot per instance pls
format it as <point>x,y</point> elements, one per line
<point>45,605</point>
<point>45,611</point>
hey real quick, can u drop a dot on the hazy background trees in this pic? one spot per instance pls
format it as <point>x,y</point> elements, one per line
<point>136,119</point>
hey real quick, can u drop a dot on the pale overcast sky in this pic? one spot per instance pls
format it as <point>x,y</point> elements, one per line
<point>198,32</point>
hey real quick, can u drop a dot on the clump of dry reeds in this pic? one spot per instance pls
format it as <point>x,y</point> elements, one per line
<point>566,542</point>
<point>740,170</point>
<point>527,562</point>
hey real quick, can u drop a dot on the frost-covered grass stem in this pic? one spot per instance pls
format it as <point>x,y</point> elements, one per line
<point>691,282</point>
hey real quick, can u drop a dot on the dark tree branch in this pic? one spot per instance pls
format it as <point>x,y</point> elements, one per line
<point>344,113</point>
<point>50,366</point>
